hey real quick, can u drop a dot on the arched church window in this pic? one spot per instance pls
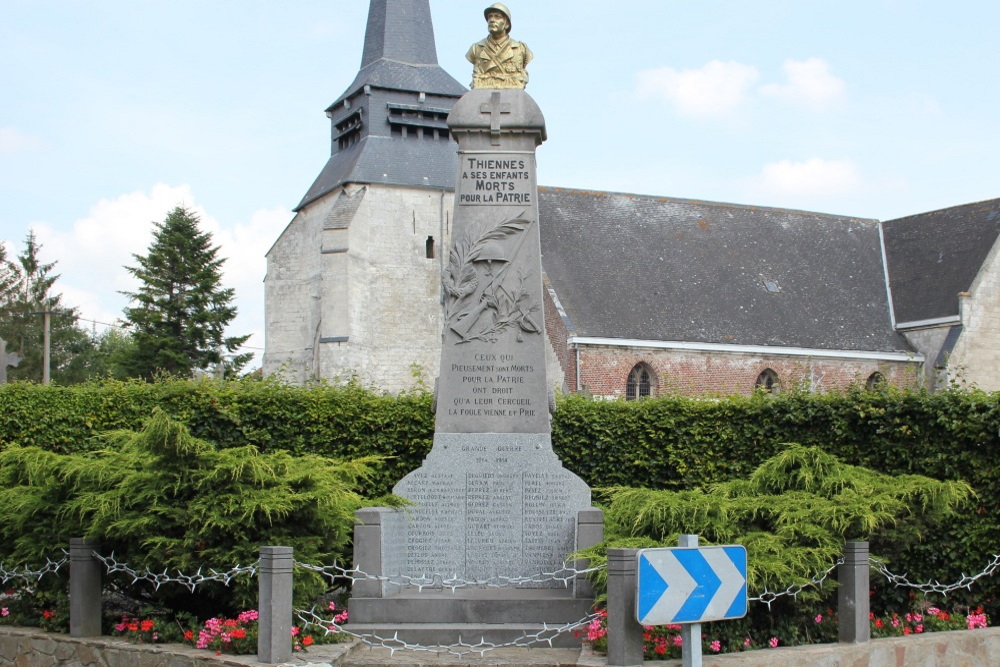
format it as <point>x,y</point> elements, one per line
<point>875,381</point>
<point>640,383</point>
<point>768,381</point>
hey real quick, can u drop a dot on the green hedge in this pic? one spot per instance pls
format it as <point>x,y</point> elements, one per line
<point>663,443</point>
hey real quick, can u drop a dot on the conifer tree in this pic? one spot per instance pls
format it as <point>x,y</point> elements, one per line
<point>26,292</point>
<point>180,312</point>
<point>9,281</point>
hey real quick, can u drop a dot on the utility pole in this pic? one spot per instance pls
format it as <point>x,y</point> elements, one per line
<point>47,347</point>
<point>46,344</point>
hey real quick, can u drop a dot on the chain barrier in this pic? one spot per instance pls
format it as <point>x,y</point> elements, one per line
<point>50,567</point>
<point>767,597</point>
<point>966,581</point>
<point>189,581</point>
<point>546,635</point>
<point>334,572</point>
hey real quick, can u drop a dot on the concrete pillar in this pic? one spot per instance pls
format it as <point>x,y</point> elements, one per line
<point>84,588</point>
<point>368,551</point>
<point>589,532</point>
<point>853,603</point>
<point>624,631</point>
<point>274,639</point>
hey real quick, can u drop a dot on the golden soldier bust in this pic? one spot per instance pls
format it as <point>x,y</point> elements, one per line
<point>498,61</point>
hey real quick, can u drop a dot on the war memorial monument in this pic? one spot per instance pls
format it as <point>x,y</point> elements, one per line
<point>494,513</point>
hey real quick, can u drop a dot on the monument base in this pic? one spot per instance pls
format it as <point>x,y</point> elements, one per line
<point>443,618</point>
<point>438,616</point>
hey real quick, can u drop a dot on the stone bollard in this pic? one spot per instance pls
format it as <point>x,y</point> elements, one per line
<point>274,638</point>
<point>624,631</point>
<point>368,551</point>
<point>853,603</point>
<point>84,588</point>
<point>589,532</point>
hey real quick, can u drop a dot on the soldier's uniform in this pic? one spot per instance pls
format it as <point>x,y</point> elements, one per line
<point>499,63</point>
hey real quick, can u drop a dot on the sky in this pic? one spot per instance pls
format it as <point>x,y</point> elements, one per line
<point>113,112</point>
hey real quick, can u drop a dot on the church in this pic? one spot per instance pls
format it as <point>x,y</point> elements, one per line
<point>644,295</point>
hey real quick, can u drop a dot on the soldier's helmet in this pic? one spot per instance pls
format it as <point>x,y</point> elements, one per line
<point>502,8</point>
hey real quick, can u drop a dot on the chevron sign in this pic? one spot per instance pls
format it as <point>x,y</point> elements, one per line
<point>691,585</point>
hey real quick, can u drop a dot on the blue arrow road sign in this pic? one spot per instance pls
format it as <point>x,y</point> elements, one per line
<point>691,585</point>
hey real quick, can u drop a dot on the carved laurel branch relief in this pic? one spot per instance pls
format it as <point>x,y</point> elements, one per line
<point>483,299</point>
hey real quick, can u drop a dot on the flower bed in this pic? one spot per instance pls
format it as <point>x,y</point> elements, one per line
<point>664,642</point>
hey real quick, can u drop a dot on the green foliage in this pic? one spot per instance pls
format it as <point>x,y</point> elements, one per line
<point>161,498</point>
<point>180,313</point>
<point>793,513</point>
<point>26,291</point>
<point>667,444</point>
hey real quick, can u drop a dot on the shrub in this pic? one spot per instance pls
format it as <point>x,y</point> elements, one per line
<point>163,499</point>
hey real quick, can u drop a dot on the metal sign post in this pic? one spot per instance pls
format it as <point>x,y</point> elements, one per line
<point>689,585</point>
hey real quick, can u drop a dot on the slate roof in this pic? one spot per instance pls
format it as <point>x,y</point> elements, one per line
<point>344,209</point>
<point>398,66</point>
<point>659,268</point>
<point>934,256</point>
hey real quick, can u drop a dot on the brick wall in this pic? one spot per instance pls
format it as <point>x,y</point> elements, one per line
<point>604,371</point>
<point>558,335</point>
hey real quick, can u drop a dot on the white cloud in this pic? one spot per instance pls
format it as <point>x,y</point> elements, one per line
<point>717,89</point>
<point>13,140</point>
<point>809,178</point>
<point>808,83</point>
<point>93,253</point>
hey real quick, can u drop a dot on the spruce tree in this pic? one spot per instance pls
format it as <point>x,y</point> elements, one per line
<point>10,279</point>
<point>180,312</point>
<point>26,293</point>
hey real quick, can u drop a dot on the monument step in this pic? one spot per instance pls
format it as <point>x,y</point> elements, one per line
<point>552,606</point>
<point>365,656</point>
<point>448,634</point>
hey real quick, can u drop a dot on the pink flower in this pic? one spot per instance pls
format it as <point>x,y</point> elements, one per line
<point>919,628</point>
<point>678,640</point>
<point>295,631</point>
<point>773,643</point>
<point>819,618</point>
<point>4,611</point>
<point>248,616</point>
<point>716,646</point>
<point>747,642</point>
<point>974,621</point>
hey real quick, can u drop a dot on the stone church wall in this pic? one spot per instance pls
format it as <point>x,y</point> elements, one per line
<point>394,288</point>
<point>292,299</point>
<point>976,357</point>
<point>360,299</point>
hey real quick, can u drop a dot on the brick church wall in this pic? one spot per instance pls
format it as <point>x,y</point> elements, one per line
<point>604,371</point>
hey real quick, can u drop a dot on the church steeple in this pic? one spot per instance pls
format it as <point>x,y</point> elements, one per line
<point>389,125</point>
<point>400,30</point>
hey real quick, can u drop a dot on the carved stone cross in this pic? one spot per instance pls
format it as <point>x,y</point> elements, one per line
<point>494,108</point>
<point>12,360</point>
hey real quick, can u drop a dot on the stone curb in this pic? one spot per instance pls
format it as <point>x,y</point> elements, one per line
<point>26,647</point>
